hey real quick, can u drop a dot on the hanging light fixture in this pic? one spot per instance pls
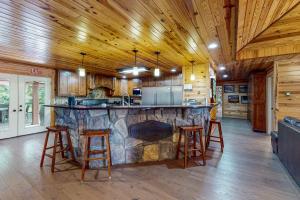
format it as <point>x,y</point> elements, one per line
<point>193,77</point>
<point>81,69</point>
<point>156,70</point>
<point>135,70</point>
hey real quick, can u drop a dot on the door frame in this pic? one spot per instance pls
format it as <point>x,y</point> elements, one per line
<point>270,102</point>
<point>12,129</point>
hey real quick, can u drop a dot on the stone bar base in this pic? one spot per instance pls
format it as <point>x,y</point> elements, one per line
<point>124,148</point>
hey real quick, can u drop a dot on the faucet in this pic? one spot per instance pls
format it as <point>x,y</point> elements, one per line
<point>125,102</point>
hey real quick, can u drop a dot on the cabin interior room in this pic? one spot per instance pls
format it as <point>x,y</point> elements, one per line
<point>150,99</point>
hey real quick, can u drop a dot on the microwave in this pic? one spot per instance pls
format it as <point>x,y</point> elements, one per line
<point>136,92</point>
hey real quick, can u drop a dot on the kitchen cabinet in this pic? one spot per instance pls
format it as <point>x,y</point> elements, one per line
<point>70,84</point>
<point>124,87</point>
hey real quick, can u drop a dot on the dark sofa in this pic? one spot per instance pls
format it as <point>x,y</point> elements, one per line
<point>289,146</point>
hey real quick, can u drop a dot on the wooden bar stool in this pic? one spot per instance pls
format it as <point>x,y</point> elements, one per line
<point>88,135</point>
<point>210,132</point>
<point>187,131</point>
<point>57,131</point>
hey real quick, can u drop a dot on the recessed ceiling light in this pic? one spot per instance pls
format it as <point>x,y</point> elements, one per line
<point>225,76</point>
<point>222,67</point>
<point>173,70</point>
<point>212,45</point>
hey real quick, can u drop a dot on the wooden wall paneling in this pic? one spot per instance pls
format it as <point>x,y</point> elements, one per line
<point>234,110</point>
<point>287,75</point>
<point>201,86</point>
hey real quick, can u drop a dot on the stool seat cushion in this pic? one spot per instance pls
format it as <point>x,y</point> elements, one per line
<point>190,128</point>
<point>93,132</point>
<point>215,121</point>
<point>57,128</point>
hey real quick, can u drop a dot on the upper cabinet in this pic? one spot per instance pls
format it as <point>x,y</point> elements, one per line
<point>70,84</point>
<point>124,87</point>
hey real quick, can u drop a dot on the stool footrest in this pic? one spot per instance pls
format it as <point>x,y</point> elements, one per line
<point>214,141</point>
<point>48,155</point>
<point>91,159</point>
<point>91,152</point>
<point>51,147</point>
<point>214,136</point>
<point>63,150</point>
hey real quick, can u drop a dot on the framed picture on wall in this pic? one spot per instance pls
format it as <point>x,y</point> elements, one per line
<point>244,99</point>
<point>243,88</point>
<point>233,98</point>
<point>229,89</point>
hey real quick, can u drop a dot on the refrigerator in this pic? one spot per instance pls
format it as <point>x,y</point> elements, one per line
<point>166,95</point>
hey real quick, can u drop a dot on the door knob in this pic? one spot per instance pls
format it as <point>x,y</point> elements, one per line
<point>14,110</point>
<point>20,110</point>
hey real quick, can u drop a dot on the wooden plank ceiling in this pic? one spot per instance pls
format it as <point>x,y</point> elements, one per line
<point>267,30</point>
<point>52,33</point>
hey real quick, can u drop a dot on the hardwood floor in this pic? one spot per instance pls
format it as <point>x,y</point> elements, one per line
<point>246,170</point>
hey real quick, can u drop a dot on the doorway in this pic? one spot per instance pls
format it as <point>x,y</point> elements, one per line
<point>270,103</point>
<point>21,105</point>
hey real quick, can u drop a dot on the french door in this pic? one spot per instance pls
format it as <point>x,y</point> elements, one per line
<point>21,104</point>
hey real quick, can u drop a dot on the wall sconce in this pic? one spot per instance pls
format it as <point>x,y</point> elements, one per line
<point>287,94</point>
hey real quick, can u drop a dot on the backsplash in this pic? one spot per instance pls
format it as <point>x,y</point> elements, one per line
<point>98,93</point>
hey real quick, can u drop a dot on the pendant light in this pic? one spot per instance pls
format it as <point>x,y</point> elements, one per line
<point>81,69</point>
<point>156,70</point>
<point>135,70</point>
<point>193,77</point>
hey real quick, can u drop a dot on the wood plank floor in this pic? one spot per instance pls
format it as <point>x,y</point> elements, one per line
<point>246,170</point>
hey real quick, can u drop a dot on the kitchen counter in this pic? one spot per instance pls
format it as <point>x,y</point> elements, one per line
<point>82,107</point>
<point>138,133</point>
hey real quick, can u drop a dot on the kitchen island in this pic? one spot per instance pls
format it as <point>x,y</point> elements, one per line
<point>138,133</point>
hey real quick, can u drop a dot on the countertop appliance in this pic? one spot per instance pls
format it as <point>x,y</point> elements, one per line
<point>136,92</point>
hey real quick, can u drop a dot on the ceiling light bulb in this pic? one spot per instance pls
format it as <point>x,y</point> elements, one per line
<point>222,68</point>
<point>212,45</point>
<point>193,77</point>
<point>156,72</point>
<point>81,72</point>
<point>173,70</point>
<point>225,76</point>
<point>124,77</point>
<point>135,71</point>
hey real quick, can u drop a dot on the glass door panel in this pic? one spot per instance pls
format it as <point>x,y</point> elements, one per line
<point>8,105</point>
<point>34,93</point>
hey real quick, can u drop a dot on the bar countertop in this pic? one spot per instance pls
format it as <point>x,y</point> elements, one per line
<point>82,107</point>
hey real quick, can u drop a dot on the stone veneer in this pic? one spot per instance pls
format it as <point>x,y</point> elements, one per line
<point>125,149</point>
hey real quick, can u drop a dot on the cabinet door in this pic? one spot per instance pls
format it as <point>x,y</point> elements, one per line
<point>82,86</point>
<point>63,86</point>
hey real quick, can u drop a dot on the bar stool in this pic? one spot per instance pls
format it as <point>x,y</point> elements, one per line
<point>57,130</point>
<point>88,135</point>
<point>185,131</point>
<point>210,132</point>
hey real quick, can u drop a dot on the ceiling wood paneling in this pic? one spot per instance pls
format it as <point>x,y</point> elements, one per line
<point>52,33</point>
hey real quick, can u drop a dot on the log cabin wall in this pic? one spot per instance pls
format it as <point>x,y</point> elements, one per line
<point>200,86</point>
<point>287,89</point>
<point>234,110</point>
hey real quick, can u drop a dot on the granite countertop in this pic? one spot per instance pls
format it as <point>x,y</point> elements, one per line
<point>81,107</point>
